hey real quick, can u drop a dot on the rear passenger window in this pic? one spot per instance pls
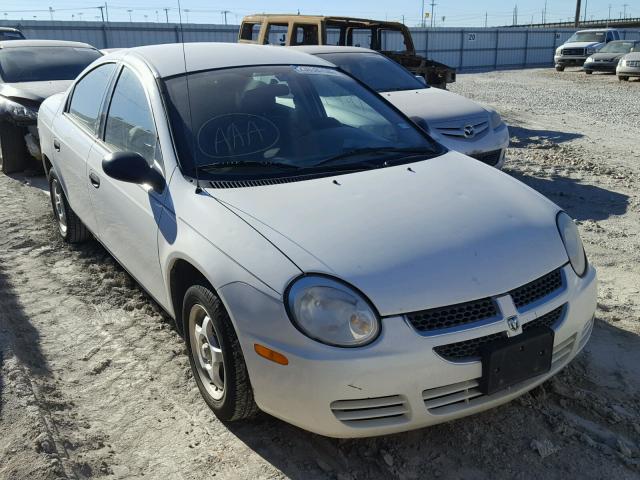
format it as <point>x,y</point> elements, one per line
<point>250,31</point>
<point>88,95</point>
<point>130,126</point>
<point>305,35</point>
<point>277,34</point>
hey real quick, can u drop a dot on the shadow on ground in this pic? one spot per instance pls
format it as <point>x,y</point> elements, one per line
<point>581,200</point>
<point>17,335</point>
<point>531,138</point>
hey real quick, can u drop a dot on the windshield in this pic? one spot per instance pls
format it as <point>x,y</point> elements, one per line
<point>274,120</point>
<point>587,37</point>
<point>617,47</point>
<point>36,64</point>
<point>374,70</point>
<point>10,35</point>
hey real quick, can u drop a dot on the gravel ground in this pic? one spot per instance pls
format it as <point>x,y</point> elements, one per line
<point>94,380</point>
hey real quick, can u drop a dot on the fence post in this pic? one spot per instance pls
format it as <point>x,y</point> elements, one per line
<point>177,30</point>
<point>105,39</point>
<point>426,45</point>
<point>526,48</point>
<point>495,53</point>
<point>461,49</point>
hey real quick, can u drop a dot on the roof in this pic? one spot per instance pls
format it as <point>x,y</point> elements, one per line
<point>169,59</point>
<point>316,18</point>
<point>318,49</point>
<point>43,43</point>
<point>596,30</point>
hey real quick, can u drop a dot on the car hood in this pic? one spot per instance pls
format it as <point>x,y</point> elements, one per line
<point>434,104</point>
<point>580,44</point>
<point>632,56</point>
<point>35,92</point>
<point>607,57</point>
<point>411,237</point>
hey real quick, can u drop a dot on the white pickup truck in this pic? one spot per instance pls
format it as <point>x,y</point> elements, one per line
<point>581,45</point>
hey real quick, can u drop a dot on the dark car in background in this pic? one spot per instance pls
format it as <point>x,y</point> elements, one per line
<point>607,58</point>
<point>31,71</point>
<point>7,33</point>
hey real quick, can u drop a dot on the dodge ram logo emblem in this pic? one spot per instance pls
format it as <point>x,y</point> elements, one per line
<point>469,131</point>
<point>513,323</point>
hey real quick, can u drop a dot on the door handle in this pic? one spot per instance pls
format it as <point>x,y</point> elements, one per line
<point>94,179</point>
<point>56,145</point>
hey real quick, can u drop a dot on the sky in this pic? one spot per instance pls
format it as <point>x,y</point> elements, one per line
<point>448,13</point>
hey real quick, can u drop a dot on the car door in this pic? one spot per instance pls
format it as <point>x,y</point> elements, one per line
<point>75,135</point>
<point>128,214</point>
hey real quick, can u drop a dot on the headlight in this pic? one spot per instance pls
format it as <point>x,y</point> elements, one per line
<point>591,50</point>
<point>17,112</point>
<point>572,243</point>
<point>559,51</point>
<point>331,312</point>
<point>495,120</point>
<point>589,60</point>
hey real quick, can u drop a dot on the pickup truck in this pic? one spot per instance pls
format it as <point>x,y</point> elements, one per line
<point>582,45</point>
<point>392,39</point>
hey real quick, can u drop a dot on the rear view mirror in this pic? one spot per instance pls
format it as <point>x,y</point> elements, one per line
<point>133,168</point>
<point>421,79</point>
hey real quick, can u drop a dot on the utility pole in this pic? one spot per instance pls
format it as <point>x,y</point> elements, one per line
<point>586,3</point>
<point>422,17</point>
<point>433,4</point>
<point>157,17</point>
<point>576,22</point>
<point>625,10</point>
<point>106,11</point>
<point>224,12</point>
<point>485,19</point>
<point>102,12</point>
<point>51,12</point>
<point>609,17</point>
<point>129,10</point>
<point>166,13</point>
<point>544,17</point>
<point>186,10</point>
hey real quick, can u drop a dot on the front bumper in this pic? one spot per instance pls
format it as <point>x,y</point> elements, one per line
<point>480,147</point>
<point>600,66</point>
<point>398,383</point>
<point>565,60</point>
<point>628,71</point>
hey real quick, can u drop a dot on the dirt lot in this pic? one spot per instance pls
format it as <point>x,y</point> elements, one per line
<point>95,383</point>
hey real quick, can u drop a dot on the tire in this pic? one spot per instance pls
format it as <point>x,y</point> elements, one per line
<point>588,72</point>
<point>559,68</point>
<point>15,156</point>
<point>622,78</point>
<point>225,387</point>
<point>70,227</point>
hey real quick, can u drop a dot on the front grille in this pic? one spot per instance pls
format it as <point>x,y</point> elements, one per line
<point>469,350</point>
<point>573,51</point>
<point>537,289</point>
<point>546,320</point>
<point>371,412</point>
<point>490,158</point>
<point>633,63</point>
<point>470,130</point>
<point>453,315</point>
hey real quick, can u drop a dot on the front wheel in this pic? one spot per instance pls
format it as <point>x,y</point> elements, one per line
<point>622,78</point>
<point>14,149</point>
<point>588,72</point>
<point>70,227</point>
<point>216,357</point>
<point>559,68</point>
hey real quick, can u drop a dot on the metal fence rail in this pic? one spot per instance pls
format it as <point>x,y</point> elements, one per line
<point>466,49</point>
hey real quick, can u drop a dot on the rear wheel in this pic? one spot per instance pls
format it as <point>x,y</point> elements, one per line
<point>14,149</point>
<point>559,68</point>
<point>216,357</point>
<point>588,72</point>
<point>622,78</point>
<point>70,227</point>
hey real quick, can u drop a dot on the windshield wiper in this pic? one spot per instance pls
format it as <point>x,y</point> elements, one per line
<point>249,164</point>
<point>407,152</point>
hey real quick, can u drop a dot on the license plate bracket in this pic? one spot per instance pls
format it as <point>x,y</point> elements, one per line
<point>513,360</point>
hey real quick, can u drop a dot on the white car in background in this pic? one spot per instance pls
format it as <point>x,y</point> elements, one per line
<point>629,66</point>
<point>348,275</point>
<point>453,120</point>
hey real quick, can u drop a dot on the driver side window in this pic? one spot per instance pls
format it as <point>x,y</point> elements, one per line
<point>130,126</point>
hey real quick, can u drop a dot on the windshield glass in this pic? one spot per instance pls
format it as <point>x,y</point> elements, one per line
<point>617,47</point>
<point>376,71</point>
<point>10,35</point>
<point>266,120</point>
<point>587,37</point>
<point>36,64</point>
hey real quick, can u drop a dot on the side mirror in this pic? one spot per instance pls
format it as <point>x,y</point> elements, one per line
<point>421,79</point>
<point>133,168</point>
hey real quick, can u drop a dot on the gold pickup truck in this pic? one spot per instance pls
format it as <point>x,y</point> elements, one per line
<point>319,30</point>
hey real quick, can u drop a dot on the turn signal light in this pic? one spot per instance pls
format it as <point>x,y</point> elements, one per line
<point>271,354</point>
